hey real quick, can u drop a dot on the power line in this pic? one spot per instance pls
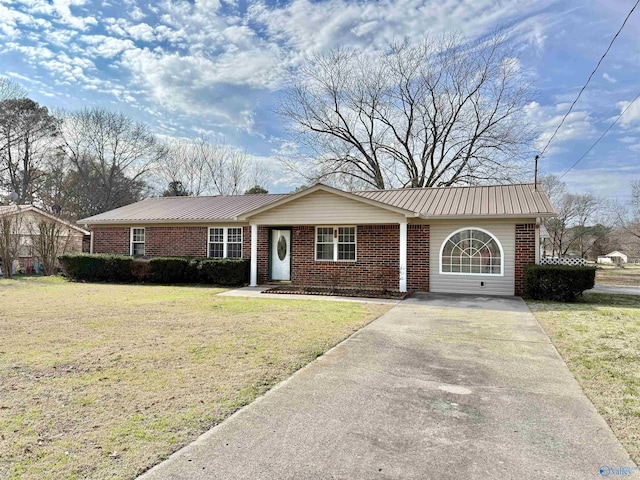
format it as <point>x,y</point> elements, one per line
<point>601,136</point>
<point>589,79</point>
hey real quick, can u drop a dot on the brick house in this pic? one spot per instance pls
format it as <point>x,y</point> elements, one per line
<point>447,239</point>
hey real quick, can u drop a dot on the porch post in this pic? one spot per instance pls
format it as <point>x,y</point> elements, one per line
<point>254,256</point>
<point>403,257</point>
<point>537,242</point>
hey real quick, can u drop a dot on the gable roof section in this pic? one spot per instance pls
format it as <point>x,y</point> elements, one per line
<point>521,200</point>
<point>15,209</point>
<point>495,201</point>
<point>184,209</point>
<point>340,193</point>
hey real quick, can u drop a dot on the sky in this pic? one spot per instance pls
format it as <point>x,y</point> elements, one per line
<point>217,68</point>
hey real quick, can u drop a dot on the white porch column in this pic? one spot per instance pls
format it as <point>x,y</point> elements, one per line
<point>537,243</point>
<point>254,256</point>
<point>403,257</point>
<point>90,241</point>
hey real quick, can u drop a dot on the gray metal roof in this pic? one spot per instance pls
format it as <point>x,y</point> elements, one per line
<point>184,209</point>
<point>442,202</point>
<point>493,200</point>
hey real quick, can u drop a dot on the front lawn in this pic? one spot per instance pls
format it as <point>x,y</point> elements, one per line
<point>599,339</point>
<point>104,381</point>
<point>610,275</point>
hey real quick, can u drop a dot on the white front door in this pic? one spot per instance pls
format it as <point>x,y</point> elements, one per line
<point>280,254</point>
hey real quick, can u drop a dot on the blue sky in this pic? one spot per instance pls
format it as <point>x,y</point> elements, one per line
<point>216,68</point>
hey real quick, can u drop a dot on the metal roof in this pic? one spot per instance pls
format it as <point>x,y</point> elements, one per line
<point>184,209</point>
<point>493,200</point>
<point>441,202</point>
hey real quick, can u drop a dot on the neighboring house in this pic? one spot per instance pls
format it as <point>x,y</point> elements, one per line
<point>544,237</point>
<point>615,258</point>
<point>25,220</point>
<point>448,239</point>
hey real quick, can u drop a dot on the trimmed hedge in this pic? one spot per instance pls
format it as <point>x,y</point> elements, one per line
<point>97,268</point>
<point>121,268</point>
<point>173,270</point>
<point>224,272</point>
<point>558,283</point>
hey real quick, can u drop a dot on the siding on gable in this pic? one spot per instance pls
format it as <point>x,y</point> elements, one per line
<point>323,208</point>
<point>452,283</point>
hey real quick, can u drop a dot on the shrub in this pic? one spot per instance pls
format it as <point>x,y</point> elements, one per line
<point>229,272</point>
<point>121,268</point>
<point>141,269</point>
<point>557,282</point>
<point>101,267</point>
<point>173,270</point>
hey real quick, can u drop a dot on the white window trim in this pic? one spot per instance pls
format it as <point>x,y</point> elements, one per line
<point>469,274</point>
<point>131,242</point>
<point>225,241</point>
<point>335,243</point>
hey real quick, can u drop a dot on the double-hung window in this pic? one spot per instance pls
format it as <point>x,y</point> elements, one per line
<point>225,242</point>
<point>137,242</point>
<point>335,244</point>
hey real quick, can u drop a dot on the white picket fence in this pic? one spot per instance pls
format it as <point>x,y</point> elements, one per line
<point>571,261</point>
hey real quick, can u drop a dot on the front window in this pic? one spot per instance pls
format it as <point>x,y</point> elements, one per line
<point>225,242</point>
<point>137,242</point>
<point>471,251</point>
<point>336,243</point>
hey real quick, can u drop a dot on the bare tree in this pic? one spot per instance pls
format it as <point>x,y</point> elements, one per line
<point>571,228</point>
<point>10,89</point>
<point>110,155</point>
<point>10,240</point>
<point>440,113</point>
<point>50,239</point>
<point>27,132</point>
<point>627,220</point>
<point>203,167</point>
<point>187,164</point>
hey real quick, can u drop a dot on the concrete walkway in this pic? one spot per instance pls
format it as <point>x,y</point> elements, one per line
<point>615,289</point>
<point>440,387</point>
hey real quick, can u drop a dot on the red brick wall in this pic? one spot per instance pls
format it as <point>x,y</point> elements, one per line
<point>111,240</point>
<point>525,252</point>
<point>418,258</point>
<point>376,265</point>
<point>175,242</point>
<point>246,242</point>
<point>263,255</point>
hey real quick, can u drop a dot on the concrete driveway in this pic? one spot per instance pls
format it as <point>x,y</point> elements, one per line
<point>440,387</point>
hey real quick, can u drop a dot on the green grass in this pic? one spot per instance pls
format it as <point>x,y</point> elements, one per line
<point>610,275</point>
<point>104,381</point>
<point>599,339</point>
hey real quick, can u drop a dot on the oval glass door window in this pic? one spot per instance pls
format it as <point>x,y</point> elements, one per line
<point>282,248</point>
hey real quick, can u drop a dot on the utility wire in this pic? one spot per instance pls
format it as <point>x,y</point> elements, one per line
<point>601,136</point>
<point>589,79</point>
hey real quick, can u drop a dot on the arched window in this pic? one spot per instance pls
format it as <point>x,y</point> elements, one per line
<point>471,251</point>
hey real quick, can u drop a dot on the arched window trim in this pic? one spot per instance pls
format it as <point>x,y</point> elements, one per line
<point>501,274</point>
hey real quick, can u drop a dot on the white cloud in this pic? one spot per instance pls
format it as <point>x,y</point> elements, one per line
<point>578,124</point>
<point>609,78</point>
<point>632,115</point>
<point>107,47</point>
<point>136,14</point>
